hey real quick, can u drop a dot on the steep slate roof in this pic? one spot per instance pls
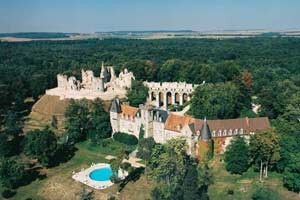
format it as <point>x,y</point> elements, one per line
<point>128,110</point>
<point>115,106</point>
<point>205,131</point>
<point>175,121</point>
<point>161,113</point>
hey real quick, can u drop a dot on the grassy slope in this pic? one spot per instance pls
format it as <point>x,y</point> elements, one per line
<point>59,184</point>
<point>243,185</point>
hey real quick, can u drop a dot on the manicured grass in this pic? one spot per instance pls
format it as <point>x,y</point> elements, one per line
<point>59,183</point>
<point>243,185</point>
<point>108,147</point>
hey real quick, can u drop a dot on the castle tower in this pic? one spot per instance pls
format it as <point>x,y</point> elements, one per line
<point>147,119</point>
<point>205,142</point>
<point>104,74</point>
<point>115,111</point>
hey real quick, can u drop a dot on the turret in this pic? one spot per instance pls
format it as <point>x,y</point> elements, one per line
<point>205,133</point>
<point>115,110</point>
<point>205,142</point>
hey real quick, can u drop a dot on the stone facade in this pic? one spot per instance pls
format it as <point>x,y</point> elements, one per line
<point>106,86</point>
<point>163,125</point>
<point>169,93</point>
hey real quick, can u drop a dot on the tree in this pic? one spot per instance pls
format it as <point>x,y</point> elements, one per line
<point>142,69</point>
<point>190,184</point>
<point>12,125</point>
<point>263,193</point>
<point>145,147</point>
<point>77,120</point>
<point>170,70</point>
<point>237,155</point>
<point>99,127</point>
<point>12,173</point>
<point>291,174</point>
<point>168,169</point>
<point>41,144</point>
<point>205,178</point>
<point>264,149</point>
<point>5,147</point>
<point>212,102</point>
<point>137,94</point>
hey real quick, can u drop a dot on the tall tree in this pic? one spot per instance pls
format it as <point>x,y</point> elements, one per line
<point>137,94</point>
<point>291,174</point>
<point>12,173</point>
<point>99,127</point>
<point>237,155</point>
<point>211,101</point>
<point>42,144</point>
<point>145,147</point>
<point>77,120</point>
<point>265,149</point>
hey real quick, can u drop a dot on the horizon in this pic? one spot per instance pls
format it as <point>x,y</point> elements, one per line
<point>132,15</point>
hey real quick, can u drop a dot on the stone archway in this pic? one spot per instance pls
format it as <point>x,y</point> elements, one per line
<point>185,97</point>
<point>153,96</point>
<point>161,99</point>
<point>169,98</point>
<point>177,98</point>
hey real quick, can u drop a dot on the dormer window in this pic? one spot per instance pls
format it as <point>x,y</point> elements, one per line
<point>224,133</point>
<point>220,133</point>
<point>241,131</point>
<point>214,133</point>
<point>230,132</point>
<point>235,131</point>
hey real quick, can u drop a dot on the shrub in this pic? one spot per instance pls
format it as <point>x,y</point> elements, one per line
<point>263,193</point>
<point>125,138</point>
<point>8,193</point>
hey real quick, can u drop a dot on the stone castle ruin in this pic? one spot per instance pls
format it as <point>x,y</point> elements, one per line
<point>106,86</point>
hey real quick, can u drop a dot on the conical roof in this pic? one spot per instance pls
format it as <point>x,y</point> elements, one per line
<point>205,131</point>
<point>115,106</point>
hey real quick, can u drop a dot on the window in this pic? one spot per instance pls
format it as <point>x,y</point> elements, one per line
<point>230,132</point>
<point>214,133</point>
<point>224,133</point>
<point>235,131</point>
<point>220,133</point>
<point>241,131</point>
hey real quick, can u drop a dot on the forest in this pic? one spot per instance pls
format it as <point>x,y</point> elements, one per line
<point>236,72</point>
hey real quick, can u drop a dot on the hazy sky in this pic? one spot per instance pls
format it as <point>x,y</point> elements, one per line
<point>107,15</point>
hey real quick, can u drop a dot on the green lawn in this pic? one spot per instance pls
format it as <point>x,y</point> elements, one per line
<point>60,185</point>
<point>109,147</point>
<point>243,185</point>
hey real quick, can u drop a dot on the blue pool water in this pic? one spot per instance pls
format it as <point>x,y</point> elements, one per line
<point>102,174</point>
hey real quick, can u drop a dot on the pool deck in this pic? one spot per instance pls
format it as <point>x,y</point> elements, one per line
<point>84,176</point>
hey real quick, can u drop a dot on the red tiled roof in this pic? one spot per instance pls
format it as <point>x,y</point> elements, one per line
<point>128,110</point>
<point>176,121</point>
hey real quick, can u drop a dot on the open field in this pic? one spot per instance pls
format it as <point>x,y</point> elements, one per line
<point>217,34</point>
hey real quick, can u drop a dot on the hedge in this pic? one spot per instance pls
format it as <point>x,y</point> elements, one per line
<point>125,138</point>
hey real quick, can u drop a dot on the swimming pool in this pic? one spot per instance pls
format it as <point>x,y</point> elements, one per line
<point>101,174</point>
